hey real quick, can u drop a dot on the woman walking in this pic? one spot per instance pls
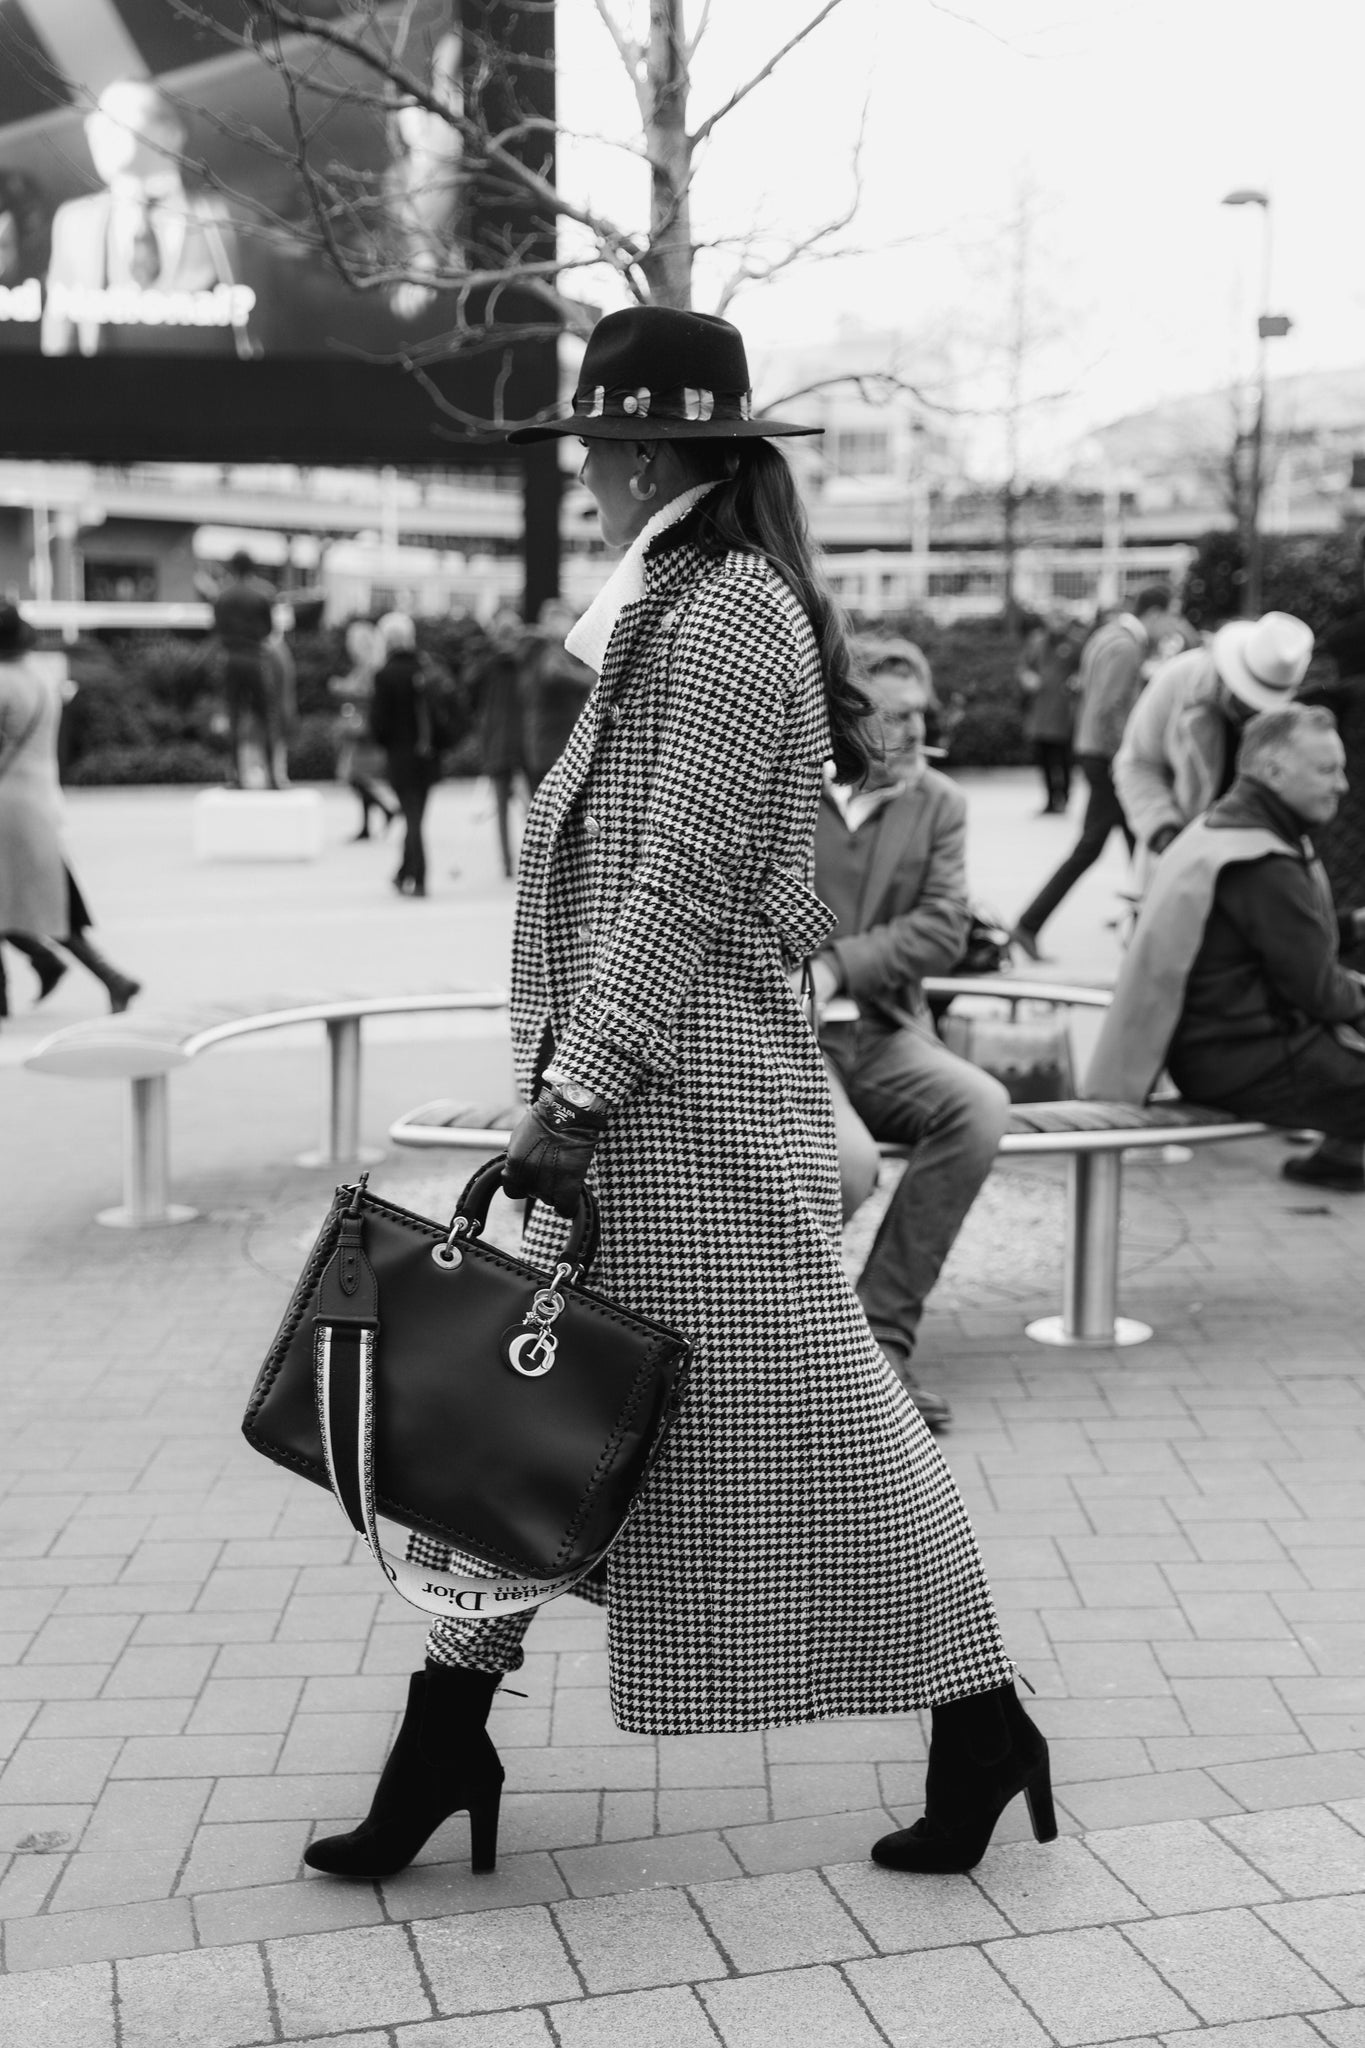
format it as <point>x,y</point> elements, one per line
<point>403,719</point>
<point>360,760</point>
<point>39,896</point>
<point>800,1551</point>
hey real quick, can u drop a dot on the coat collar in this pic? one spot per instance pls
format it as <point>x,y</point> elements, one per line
<point>590,639</point>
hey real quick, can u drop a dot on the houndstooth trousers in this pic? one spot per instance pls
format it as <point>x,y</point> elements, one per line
<point>800,1550</point>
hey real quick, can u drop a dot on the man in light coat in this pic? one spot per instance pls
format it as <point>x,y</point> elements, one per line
<point>890,862</point>
<point>1179,748</point>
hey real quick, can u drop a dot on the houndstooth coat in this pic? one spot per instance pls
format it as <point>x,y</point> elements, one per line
<point>801,1550</point>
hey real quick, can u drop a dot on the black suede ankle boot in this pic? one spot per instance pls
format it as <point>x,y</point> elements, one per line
<point>442,1762</point>
<point>984,1749</point>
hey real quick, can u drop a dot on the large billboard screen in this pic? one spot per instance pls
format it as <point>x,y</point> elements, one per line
<point>191,210</point>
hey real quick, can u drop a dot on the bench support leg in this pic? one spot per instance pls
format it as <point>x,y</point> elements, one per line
<point>341,1144</point>
<point>146,1162</point>
<point>1090,1281</point>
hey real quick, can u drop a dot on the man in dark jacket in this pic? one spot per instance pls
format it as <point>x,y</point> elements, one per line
<point>1234,974</point>
<point>890,862</point>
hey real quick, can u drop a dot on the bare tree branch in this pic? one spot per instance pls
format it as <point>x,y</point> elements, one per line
<point>694,41</point>
<point>765,71</point>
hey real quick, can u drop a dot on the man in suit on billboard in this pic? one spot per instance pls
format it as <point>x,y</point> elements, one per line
<point>145,264</point>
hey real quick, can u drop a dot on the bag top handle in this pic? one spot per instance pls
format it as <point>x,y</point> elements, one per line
<point>585,1233</point>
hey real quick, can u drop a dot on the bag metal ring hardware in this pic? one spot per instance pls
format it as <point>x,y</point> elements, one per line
<point>448,1255</point>
<point>532,1351</point>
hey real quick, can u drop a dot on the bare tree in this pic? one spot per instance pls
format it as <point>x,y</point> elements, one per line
<point>465,212</point>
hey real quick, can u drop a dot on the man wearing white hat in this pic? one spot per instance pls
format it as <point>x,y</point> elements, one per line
<point>1178,754</point>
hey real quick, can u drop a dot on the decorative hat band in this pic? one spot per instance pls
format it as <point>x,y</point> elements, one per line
<point>683,402</point>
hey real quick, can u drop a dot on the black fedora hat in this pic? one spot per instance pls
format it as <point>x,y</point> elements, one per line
<point>655,373</point>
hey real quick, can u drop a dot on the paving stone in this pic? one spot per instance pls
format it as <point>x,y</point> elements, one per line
<point>799,1790</point>
<point>1057,1884</point>
<point>194,1756</point>
<point>337,1742</point>
<point>58,1773</point>
<point>428,1889</point>
<point>490,2030</point>
<point>57,1938</point>
<point>1111,1669</point>
<point>1160,1795</point>
<point>488,1961</point>
<point>1231,1706</point>
<point>778,1922</point>
<point>1229,1966</point>
<point>1329,1934</point>
<point>630,1816</point>
<point>1264,1658</point>
<point>944,1998</point>
<point>75,1639</point>
<point>1295,1780</point>
<point>636,1940</point>
<point>903,1910</point>
<point>290,1660</point>
<point>212,1998</point>
<point>1306,1851</point>
<point>802,1844</point>
<point>60,1719</point>
<point>25,1885</point>
<point>897,1738</point>
<point>720,1806</point>
<point>693,1760</point>
<point>155,1815</point>
<point>259,1912</point>
<point>59,2008</point>
<point>810,2008</point>
<point>246,1706</point>
<point>1086,1985</point>
<point>659,1860</point>
<point>320,1798</point>
<point>340,1982</point>
<point>641,2019</point>
<point>159,1673</point>
<point>1343,2029</point>
<point>1281,2033</point>
<point>1180,1867</point>
<point>231,1857</point>
<point>116,1877</point>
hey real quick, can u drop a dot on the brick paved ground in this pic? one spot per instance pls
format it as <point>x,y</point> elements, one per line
<point>197,1674</point>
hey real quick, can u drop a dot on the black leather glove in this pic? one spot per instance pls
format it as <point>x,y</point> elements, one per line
<point>551,1150</point>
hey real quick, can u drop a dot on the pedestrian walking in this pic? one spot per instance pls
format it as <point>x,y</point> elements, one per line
<point>404,719</point>
<point>800,1551</point>
<point>496,681</point>
<point>360,758</point>
<point>39,896</point>
<point>1047,678</point>
<point>1111,675</point>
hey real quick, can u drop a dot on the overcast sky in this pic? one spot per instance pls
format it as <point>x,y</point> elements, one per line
<point>1125,122</point>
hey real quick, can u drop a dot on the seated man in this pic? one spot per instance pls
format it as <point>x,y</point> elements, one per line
<point>889,861</point>
<point>1233,980</point>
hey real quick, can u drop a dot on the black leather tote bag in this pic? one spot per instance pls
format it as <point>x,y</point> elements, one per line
<point>437,1381</point>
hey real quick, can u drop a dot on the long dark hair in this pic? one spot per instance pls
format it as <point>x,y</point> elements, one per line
<point>758,509</point>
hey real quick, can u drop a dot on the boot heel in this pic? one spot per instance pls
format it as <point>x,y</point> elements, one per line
<point>483,1829</point>
<point>1041,1811</point>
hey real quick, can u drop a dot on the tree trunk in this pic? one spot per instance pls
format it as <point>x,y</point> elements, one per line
<point>668,266</point>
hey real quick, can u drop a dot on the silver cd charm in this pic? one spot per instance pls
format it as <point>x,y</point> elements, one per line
<point>531,1353</point>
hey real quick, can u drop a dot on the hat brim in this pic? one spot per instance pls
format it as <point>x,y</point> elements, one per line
<point>611,427</point>
<point>1229,658</point>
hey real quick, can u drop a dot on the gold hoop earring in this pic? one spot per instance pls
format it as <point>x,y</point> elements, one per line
<point>641,497</point>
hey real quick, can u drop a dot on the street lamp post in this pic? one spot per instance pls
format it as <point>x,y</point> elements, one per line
<point>1268,326</point>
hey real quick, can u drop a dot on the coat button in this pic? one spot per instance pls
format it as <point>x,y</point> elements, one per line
<point>585,931</point>
<point>614,714</point>
<point>591,825</point>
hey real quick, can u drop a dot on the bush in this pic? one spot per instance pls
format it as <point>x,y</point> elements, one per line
<point>313,749</point>
<point>1317,578</point>
<point>174,761</point>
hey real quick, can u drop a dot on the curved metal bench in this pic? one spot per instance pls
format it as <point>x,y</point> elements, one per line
<point>145,1047</point>
<point>1092,1136</point>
